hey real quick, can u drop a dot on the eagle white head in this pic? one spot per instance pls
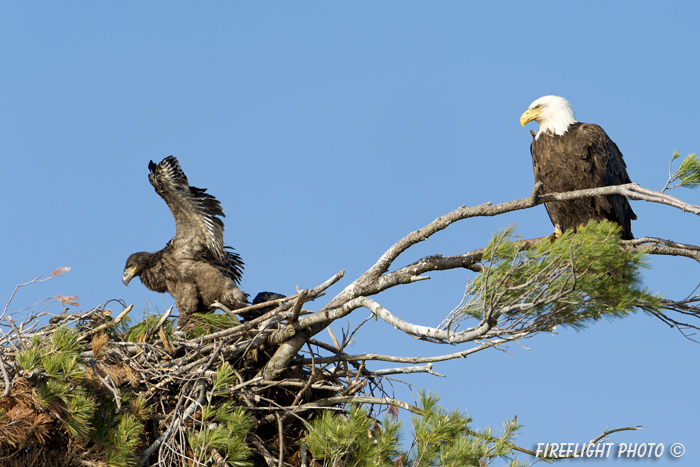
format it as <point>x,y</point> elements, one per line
<point>552,113</point>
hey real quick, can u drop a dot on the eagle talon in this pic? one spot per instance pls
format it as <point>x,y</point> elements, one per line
<point>555,235</point>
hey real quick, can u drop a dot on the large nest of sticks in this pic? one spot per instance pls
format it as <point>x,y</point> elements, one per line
<point>88,389</point>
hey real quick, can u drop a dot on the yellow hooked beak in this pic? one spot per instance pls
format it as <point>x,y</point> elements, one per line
<point>530,115</point>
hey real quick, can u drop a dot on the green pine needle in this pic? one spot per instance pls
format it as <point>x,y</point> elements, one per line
<point>66,340</point>
<point>572,280</point>
<point>353,438</point>
<point>79,415</point>
<point>444,437</point>
<point>224,377</point>
<point>206,323</point>
<point>125,442</point>
<point>29,359</point>
<point>689,171</point>
<point>138,331</point>
<point>226,428</point>
<point>688,175</point>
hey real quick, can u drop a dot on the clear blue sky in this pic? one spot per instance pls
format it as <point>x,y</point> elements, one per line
<point>328,131</point>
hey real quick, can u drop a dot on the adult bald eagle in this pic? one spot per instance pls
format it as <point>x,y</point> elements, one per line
<point>568,155</point>
<point>194,267</point>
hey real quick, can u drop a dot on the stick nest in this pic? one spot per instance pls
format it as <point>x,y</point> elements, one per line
<point>87,389</point>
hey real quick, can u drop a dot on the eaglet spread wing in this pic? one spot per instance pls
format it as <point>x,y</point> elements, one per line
<point>199,228</point>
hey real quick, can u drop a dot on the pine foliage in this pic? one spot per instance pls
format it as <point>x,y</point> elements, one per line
<point>57,402</point>
<point>572,280</point>
<point>687,175</point>
<point>443,438</point>
<point>439,438</point>
<point>353,438</point>
<point>689,171</point>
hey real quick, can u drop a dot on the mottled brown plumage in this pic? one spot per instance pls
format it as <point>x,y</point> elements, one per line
<point>568,155</point>
<point>194,267</point>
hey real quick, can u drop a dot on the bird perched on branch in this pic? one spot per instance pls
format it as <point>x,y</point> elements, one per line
<point>195,267</point>
<point>568,155</point>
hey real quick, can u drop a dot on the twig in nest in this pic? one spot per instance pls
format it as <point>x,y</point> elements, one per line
<point>269,460</point>
<point>106,325</point>
<point>113,390</point>
<point>280,431</point>
<point>177,421</point>
<point>298,303</point>
<point>8,384</point>
<point>160,322</point>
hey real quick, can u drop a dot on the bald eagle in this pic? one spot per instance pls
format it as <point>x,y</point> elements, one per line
<point>568,155</point>
<point>195,267</point>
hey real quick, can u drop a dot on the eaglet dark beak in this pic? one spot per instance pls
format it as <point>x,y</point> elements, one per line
<point>127,276</point>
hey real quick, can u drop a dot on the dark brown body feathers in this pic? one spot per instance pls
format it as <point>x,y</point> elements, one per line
<point>583,157</point>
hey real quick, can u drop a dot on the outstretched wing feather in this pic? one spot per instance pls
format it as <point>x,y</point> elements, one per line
<point>198,223</point>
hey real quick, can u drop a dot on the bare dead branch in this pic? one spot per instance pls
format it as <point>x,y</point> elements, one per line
<point>108,324</point>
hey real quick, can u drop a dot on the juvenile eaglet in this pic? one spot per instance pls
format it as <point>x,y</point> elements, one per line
<point>568,155</point>
<point>195,267</point>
